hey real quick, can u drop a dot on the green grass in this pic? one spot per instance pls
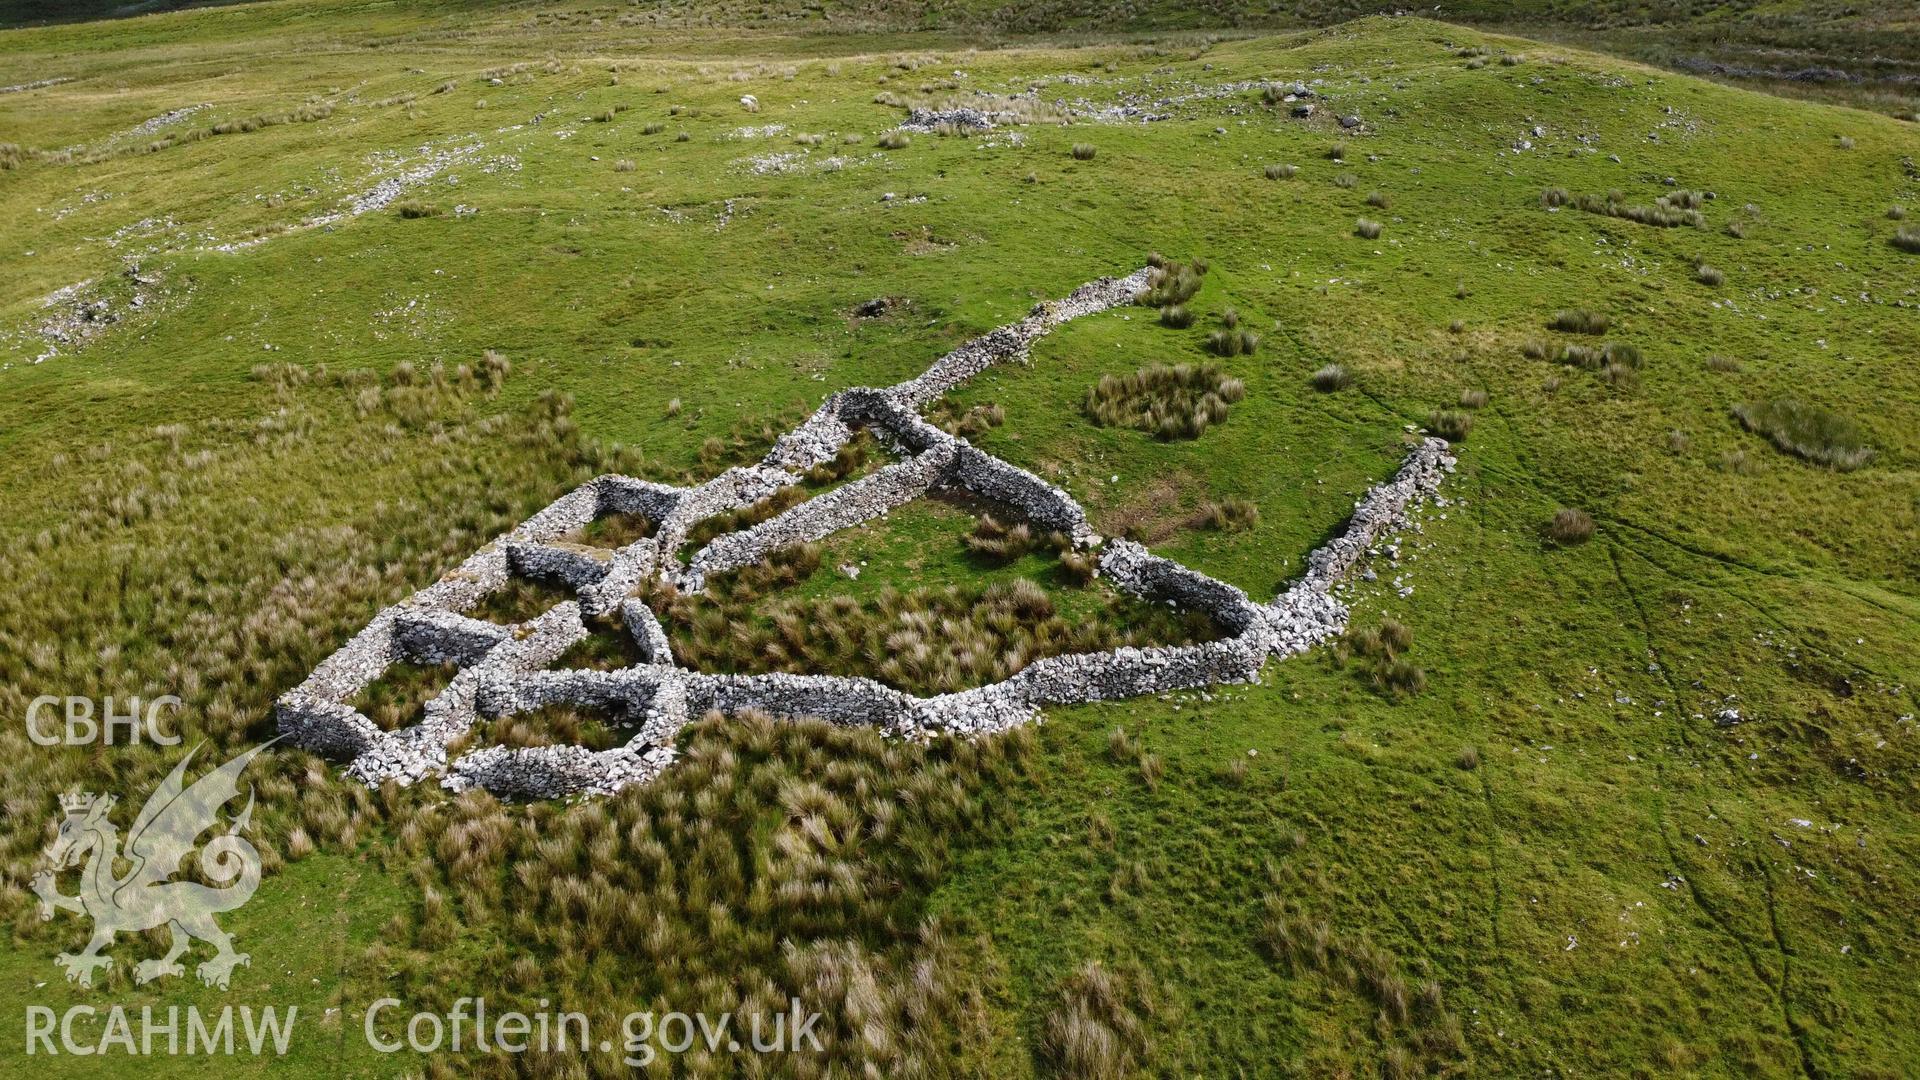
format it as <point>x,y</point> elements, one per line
<point>1601,887</point>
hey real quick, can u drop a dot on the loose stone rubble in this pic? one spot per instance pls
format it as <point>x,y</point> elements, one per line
<point>506,669</point>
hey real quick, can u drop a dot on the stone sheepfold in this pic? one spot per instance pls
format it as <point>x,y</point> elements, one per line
<point>505,670</point>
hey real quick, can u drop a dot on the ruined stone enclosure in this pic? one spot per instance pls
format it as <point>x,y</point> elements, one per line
<point>500,671</point>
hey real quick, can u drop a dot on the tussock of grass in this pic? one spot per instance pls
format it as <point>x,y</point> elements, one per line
<point>1808,432</point>
<point>1579,321</point>
<point>1229,342</point>
<point>1367,228</point>
<point>1450,424</point>
<point>1000,542</point>
<point>1172,402</point>
<point>1614,356</point>
<point>967,423</point>
<point>1227,515</point>
<point>1379,652</point>
<point>414,208</point>
<point>1281,172</point>
<point>1330,378</point>
<point>894,140</point>
<point>1906,238</point>
<point>1171,283</point>
<point>1095,1033</point>
<point>1668,211</point>
<point>1570,526</point>
<point>1084,151</point>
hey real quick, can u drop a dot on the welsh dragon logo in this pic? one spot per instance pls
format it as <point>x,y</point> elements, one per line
<point>163,834</point>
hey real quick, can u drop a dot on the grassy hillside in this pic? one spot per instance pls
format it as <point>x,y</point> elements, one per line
<point>1860,54</point>
<point>1554,857</point>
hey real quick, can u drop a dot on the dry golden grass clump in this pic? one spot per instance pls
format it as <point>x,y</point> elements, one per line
<point>1570,526</point>
<point>1096,1031</point>
<point>1178,401</point>
<point>1227,515</point>
<point>949,417</point>
<point>999,542</point>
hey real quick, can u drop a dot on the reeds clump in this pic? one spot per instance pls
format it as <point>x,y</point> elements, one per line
<point>1668,211</point>
<point>1579,321</point>
<point>1380,653</point>
<point>1450,424</point>
<point>1808,432</point>
<point>1177,401</point>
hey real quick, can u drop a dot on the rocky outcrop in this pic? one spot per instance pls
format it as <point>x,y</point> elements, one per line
<point>505,669</point>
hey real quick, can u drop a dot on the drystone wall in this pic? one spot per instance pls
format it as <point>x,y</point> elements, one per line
<point>505,670</point>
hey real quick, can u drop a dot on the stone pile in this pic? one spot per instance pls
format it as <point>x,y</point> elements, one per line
<point>506,669</point>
